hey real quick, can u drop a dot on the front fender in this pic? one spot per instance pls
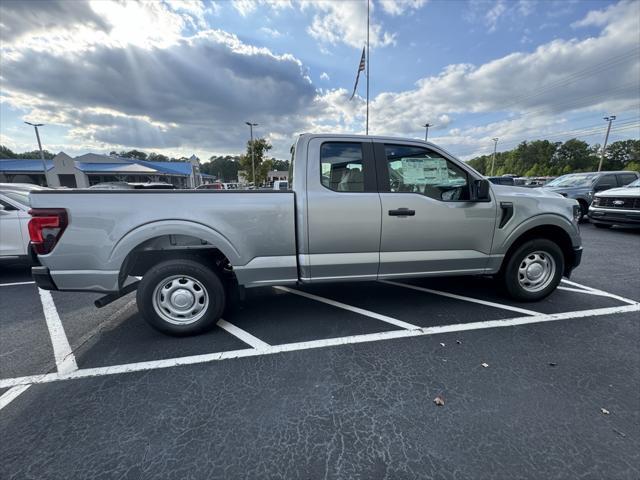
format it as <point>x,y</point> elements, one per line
<point>502,245</point>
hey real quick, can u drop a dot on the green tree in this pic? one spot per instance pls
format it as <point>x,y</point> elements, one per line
<point>224,168</point>
<point>619,155</point>
<point>157,157</point>
<point>137,154</point>
<point>261,147</point>
<point>6,152</point>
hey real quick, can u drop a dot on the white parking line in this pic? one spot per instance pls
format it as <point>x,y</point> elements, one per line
<point>243,335</point>
<point>65,360</point>
<point>595,291</point>
<point>344,306</point>
<point>330,342</point>
<point>461,297</point>
<point>16,283</point>
<point>11,394</point>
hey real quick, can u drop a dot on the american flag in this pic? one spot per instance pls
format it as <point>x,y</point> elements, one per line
<point>360,69</point>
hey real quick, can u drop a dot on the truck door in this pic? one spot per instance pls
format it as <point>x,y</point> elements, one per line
<point>343,211</point>
<point>429,224</point>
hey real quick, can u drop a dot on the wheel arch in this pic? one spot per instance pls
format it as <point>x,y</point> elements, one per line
<point>551,232</point>
<point>137,251</point>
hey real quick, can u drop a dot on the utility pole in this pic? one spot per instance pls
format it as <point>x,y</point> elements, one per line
<point>253,158</point>
<point>493,159</point>
<point>44,164</point>
<point>426,132</point>
<point>609,119</point>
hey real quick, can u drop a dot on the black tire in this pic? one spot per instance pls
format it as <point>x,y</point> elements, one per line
<point>603,225</point>
<point>510,273</point>
<point>584,210</point>
<point>204,276</point>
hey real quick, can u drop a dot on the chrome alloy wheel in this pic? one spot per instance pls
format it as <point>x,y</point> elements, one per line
<point>180,299</point>
<point>536,271</point>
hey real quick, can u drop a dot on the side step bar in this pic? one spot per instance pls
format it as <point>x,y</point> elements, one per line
<point>112,297</point>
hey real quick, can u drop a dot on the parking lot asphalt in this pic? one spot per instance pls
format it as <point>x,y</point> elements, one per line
<point>333,381</point>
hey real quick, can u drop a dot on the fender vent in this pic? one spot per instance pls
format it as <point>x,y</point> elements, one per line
<point>507,213</point>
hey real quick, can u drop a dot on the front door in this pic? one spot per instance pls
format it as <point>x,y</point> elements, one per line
<point>343,211</point>
<point>429,224</point>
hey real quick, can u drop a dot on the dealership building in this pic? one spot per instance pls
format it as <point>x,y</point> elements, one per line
<point>89,169</point>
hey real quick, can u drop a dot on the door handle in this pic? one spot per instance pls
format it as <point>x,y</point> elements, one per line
<point>402,212</point>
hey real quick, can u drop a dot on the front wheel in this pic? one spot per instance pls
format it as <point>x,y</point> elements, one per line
<point>533,270</point>
<point>181,297</point>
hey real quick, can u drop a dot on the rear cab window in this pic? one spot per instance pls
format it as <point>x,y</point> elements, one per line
<point>342,166</point>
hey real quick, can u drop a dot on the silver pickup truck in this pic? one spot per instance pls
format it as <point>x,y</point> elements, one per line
<point>361,208</point>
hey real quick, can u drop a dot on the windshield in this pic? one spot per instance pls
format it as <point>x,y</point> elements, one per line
<point>572,180</point>
<point>20,197</point>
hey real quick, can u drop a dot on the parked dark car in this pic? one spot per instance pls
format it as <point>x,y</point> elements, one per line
<point>582,186</point>
<point>617,206</point>
<point>502,180</point>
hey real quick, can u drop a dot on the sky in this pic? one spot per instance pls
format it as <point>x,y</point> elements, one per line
<point>183,77</point>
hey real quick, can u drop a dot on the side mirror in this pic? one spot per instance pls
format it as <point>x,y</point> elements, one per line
<point>481,190</point>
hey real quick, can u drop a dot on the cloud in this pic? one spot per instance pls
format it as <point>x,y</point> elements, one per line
<point>494,14</point>
<point>271,32</point>
<point>324,76</point>
<point>557,78</point>
<point>345,22</point>
<point>399,7</point>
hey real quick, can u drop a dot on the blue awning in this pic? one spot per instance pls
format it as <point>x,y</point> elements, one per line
<point>31,165</point>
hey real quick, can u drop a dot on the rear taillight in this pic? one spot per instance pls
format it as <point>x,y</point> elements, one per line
<point>46,227</point>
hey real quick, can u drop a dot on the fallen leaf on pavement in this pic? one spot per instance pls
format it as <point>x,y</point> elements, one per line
<point>605,411</point>
<point>552,364</point>
<point>485,365</point>
<point>443,344</point>
<point>459,342</point>
<point>439,401</point>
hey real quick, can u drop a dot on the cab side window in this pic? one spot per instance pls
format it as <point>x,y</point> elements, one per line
<point>341,166</point>
<point>626,178</point>
<point>418,170</point>
<point>605,182</point>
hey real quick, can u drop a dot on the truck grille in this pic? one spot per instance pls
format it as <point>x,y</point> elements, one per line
<point>620,202</point>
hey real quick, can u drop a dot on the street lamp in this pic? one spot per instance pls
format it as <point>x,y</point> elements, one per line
<point>44,165</point>
<point>253,160</point>
<point>493,159</point>
<point>426,132</point>
<point>609,119</point>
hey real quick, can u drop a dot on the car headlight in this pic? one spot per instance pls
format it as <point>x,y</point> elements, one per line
<point>577,213</point>
<point>596,201</point>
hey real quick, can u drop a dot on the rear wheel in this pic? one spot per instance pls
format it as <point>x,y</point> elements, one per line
<point>181,297</point>
<point>533,270</point>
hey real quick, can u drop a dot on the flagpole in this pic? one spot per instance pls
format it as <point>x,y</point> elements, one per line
<point>367,130</point>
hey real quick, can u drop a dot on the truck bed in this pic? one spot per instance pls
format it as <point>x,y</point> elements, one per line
<point>255,230</point>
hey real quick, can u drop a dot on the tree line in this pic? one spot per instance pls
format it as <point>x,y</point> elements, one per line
<point>544,158</point>
<point>224,167</point>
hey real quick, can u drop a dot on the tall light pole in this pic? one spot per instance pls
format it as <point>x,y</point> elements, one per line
<point>609,119</point>
<point>426,132</point>
<point>253,158</point>
<point>44,164</point>
<point>493,159</point>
